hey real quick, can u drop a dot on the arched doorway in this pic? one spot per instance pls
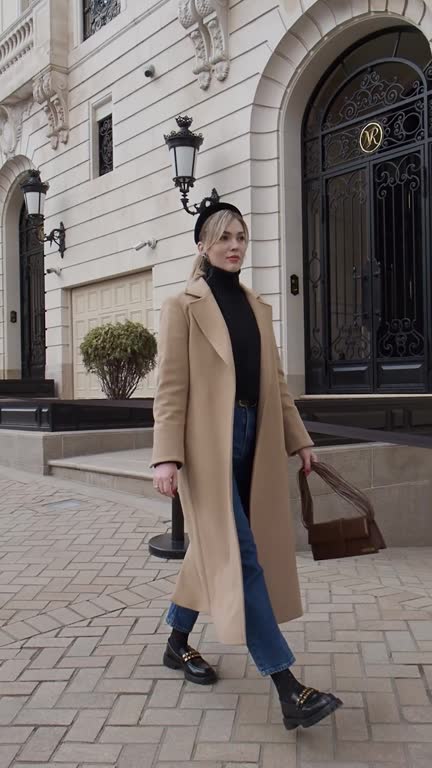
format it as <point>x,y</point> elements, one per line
<point>367,139</point>
<point>32,296</point>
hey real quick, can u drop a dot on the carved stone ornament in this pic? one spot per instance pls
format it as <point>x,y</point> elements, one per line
<point>11,119</point>
<point>50,90</point>
<point>207,24</point>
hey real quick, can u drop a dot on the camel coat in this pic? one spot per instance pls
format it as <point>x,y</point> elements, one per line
<point>193,412</point>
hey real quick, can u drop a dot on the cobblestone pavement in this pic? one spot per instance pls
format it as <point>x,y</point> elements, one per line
<point>82,633</point>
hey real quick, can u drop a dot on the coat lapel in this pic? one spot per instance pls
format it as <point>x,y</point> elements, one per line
<point>208,316</point>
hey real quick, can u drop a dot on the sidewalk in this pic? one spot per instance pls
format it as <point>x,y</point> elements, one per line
<point>82,634</point>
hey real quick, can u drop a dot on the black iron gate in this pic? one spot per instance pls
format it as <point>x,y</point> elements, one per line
<point>367,151</point>
<point>32,301</point>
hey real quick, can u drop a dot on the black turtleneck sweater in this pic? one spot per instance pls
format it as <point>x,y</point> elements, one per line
<point>243,330</point>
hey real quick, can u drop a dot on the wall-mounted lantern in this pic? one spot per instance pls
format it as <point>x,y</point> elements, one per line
<point>34,190</point>
<point>184,147</point>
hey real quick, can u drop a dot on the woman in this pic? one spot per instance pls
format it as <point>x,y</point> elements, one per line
<point>225,419</point>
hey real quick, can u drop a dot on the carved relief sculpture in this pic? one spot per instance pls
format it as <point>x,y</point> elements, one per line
<point>50,90</point>
<point>191,21</point>
<point>11,117</point>
<point>215,17</point>
<point>207,24</point>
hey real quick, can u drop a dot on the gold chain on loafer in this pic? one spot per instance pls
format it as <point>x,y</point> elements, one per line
<point>304,696</point>
<point>190,655</point>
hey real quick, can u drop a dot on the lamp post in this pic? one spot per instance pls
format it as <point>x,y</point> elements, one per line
<point>34,190</point>
<point>183,146</point>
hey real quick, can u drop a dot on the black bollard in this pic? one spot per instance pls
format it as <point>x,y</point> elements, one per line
<point>171,546</point>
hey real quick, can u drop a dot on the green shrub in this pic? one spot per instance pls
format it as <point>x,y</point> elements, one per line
<point>120,354</point>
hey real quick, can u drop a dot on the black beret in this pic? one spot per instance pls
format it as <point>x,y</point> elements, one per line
<point>209,211</point>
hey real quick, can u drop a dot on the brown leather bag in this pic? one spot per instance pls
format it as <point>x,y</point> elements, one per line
<point>344,537</point>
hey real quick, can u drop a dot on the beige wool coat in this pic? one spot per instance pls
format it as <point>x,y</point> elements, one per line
<point>193,412</point>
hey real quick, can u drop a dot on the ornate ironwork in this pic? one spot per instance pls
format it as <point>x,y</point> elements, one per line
<point>314,272</point>
<point>105,135</point>
<point>32,300</point>
<point>400,126</point>
<point>349,332</point>
<point>366,230</point>
<point>97,13</point>
<point>400,307</point>
<point>374,91</point>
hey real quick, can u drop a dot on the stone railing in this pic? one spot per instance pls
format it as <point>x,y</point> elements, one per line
<point>16,42</point>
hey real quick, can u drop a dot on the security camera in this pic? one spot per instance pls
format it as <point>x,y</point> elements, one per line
<point>151,243</point>
<point>53,271</point>
<point>149,71</point>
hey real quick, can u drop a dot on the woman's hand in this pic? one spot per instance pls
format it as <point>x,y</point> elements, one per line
<point>165,479</point>
<point>308,457</point>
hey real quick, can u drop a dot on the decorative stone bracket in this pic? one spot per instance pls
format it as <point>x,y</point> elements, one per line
<point>50,90</point>
<point>11,118</point>
<point>207,24</point>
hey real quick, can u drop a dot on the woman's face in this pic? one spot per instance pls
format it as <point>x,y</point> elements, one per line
<point>229,252</point>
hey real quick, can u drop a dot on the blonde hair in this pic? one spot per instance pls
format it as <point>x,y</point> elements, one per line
<point>211,232</point>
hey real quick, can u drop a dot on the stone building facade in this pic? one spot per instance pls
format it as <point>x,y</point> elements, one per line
<point>73,89</point>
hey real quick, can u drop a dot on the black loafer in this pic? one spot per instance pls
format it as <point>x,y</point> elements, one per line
<point>308,707</point>
<point>195,668</point>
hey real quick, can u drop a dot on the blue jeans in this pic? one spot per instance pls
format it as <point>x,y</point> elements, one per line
<point>265,641</point>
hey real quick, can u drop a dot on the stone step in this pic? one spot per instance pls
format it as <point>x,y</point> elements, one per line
<point>128,471</point>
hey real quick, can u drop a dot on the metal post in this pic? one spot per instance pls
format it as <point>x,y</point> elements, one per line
<point>171,546</point>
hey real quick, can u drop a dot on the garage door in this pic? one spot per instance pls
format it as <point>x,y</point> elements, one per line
<point>124,298</point>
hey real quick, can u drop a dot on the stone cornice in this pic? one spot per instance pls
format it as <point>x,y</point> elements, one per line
<point>206,22</point>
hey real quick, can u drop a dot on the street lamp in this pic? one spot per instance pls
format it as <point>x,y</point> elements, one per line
<point>184,147</point>
<point>34,190</point>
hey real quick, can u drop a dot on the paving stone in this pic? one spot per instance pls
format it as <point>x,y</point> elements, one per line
<point>279,756</point>
<point>347,665</point>
<point>86,727</point>
<point>217,725</point>
<point>127,710</point>
<point>83,646</point>
<point>209,701</point>
<point>87,700</point>
<point>171,717</point>
<point>420,755</point>
<point>47,695</point>
<point>391,754</point>
<point>316,744</point>
<point>137,756</point>
<point>85,680</point>
<point>14,734</point>
<point>263,733</point>
<point>141,734</point>
<point>45,716</point>
<point>178,743</point>
<point>412,692</point>
<point>7,755</point>
<point>166,693</point>
<point>93,753</point>
<point>42,744</point>
<point>417,714</point>
<point>253,709</point>
<point>382,708</point>
<point>11,670</point>
<point>226,752</point>
<point>9,707</point>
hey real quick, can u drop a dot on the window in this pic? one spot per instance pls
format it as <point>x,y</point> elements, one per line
<point>101,116</point>
<point>97,13</point>
<point>105,145</point>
